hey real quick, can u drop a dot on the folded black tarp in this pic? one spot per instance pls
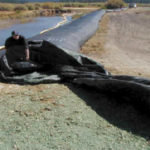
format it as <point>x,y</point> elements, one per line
<point>53,58</point>
<point>52,49</point>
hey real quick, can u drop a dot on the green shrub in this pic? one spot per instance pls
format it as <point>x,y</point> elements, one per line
<point>82,4</point>
<point>46,6</point>
<point>75,4</point>
<point>20,7</point>
<point>37,6</point>
<point>113,4</point>
<point>30,6</point>
<point>51,5</point>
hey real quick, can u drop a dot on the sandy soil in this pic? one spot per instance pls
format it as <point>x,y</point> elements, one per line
<point>127,50</point>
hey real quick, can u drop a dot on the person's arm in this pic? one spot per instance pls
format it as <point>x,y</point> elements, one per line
<point>24,42</point>
<point>27,53</point>
<point>7,44</point>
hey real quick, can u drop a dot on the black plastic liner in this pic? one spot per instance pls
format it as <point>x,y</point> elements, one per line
<point>73,35</point>
<point>53,58</point>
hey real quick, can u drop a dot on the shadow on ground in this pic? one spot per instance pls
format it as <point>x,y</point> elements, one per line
<point>120,115</point>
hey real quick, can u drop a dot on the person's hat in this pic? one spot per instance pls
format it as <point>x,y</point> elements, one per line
<point>14,33</point>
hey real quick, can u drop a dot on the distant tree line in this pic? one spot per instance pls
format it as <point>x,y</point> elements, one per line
<point>23,1</point>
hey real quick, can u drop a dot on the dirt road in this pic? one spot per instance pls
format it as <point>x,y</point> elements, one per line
<point>127,50</point>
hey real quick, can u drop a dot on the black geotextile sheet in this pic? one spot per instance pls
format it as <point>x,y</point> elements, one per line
<point>53,58</point>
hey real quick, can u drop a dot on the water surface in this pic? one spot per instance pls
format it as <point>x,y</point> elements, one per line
<point>31,28</point>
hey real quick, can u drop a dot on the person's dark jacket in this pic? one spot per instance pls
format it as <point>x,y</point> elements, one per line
<point>16,49</point>
<point>12,42</point>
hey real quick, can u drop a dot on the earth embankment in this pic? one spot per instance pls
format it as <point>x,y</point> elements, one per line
<point>126,49</point>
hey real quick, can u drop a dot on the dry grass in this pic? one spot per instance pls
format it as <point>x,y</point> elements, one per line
<point>17,14</point>
<point>17,10</point>
<point>95,45</point>
<point>79,12</point>
<point>113,4</point>
<point>78,15</point>
<point>143,5</point>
